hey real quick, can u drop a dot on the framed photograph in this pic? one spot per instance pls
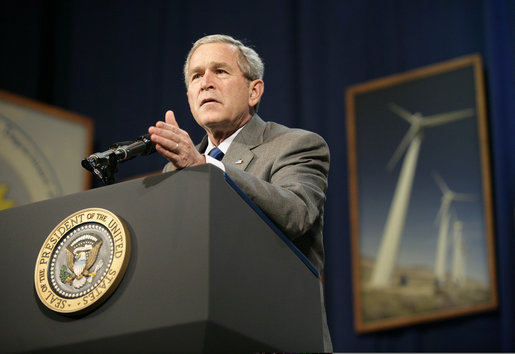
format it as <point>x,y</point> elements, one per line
<point>41,149</point>
<point>420,196</point>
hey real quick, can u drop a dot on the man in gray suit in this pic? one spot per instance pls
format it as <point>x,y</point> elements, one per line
<point>284,171</point>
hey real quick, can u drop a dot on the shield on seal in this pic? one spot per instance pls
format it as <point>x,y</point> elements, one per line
<point>78,267</point>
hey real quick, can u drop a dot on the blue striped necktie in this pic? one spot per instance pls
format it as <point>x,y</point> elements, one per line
<point>216,153</point>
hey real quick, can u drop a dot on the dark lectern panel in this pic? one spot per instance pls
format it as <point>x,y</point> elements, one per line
<point>211,282</point>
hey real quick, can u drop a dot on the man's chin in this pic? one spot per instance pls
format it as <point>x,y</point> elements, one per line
<point>212,121</point>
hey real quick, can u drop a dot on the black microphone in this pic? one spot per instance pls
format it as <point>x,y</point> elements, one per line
<point>124,151</point>
<point>142,146</point>
<point>103,164</point>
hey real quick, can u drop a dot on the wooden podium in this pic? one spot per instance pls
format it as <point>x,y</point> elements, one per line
<point>207,273</point>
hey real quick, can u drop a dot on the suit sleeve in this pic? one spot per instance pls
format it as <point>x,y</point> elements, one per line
<point>290,187</point>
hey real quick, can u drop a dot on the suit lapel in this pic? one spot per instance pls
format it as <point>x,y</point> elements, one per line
<point>240,152</point>
<point>203,145</point>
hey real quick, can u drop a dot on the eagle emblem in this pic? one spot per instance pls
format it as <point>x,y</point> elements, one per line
<point>80,264</point>
<point>81,255</point>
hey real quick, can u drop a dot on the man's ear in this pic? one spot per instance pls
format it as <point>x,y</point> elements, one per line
<point>256,89</point>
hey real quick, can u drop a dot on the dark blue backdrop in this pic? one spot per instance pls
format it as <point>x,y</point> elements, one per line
<point>120,62</point>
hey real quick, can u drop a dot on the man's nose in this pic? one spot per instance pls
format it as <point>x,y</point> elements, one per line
<point>207,80</point>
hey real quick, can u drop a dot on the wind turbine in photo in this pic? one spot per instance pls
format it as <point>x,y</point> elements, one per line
<point>444,217</point>
<point>396,219</point>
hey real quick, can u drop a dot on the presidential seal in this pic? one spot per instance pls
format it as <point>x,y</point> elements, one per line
<point>82,261</point>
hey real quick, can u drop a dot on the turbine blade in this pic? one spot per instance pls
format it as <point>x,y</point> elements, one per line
<point>401,148</point>
<point>441,183</point>
<point>401,112</point>
<point>443,118</point>
<point>464,197</point>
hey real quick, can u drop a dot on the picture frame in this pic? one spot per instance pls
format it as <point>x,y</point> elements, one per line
<point>420,194</point>
<point>41,148</point>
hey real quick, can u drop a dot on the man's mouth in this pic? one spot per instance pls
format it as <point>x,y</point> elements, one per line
<point>207,100</point>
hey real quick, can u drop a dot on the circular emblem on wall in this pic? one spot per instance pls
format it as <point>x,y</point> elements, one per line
<point>82,261</point>
<point>25,168</point>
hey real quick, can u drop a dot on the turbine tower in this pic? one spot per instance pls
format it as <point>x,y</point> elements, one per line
<point>459,264</point>
<point>448,196</point>
<point>387,254</point>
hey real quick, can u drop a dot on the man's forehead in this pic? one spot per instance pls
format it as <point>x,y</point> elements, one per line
<point>210,53</point>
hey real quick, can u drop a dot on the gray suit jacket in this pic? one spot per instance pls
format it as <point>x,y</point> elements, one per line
<point>284,171</point>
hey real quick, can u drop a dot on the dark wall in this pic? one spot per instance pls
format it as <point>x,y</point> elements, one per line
<point>120,62</point>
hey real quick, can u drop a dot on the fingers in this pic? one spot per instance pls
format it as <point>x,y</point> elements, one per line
<point>166,139</point>
<point>170,118</point>
<point>167,153</point>
<point>169,129</point>
<point>174,143</point>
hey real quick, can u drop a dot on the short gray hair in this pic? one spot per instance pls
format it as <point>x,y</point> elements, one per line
<point>249,61</point>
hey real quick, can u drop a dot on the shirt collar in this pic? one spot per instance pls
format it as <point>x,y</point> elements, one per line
<point>224,145</point>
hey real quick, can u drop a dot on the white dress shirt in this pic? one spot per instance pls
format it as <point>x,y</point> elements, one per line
<point>224,146</point>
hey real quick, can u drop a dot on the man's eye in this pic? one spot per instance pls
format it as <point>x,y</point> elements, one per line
<point>195,76</point>
<point>221,71</point>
